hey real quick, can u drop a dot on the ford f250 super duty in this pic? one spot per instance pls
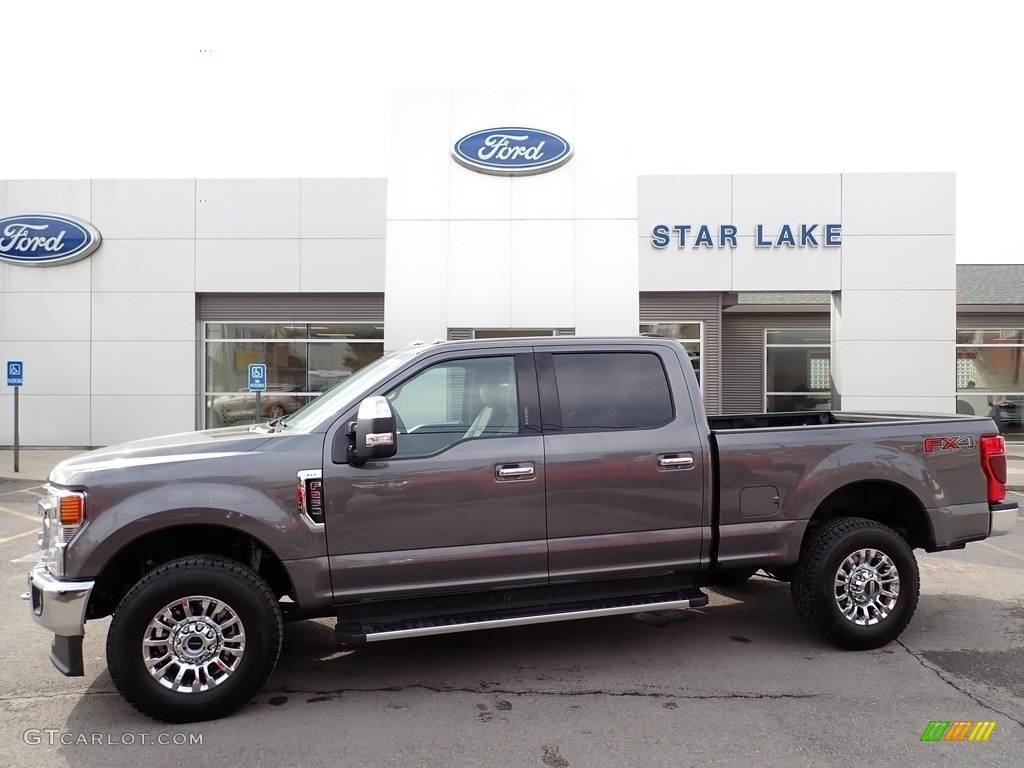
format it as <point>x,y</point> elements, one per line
<point>474,485</point>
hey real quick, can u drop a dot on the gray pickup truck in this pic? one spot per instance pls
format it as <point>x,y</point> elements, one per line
<point>474,485</point>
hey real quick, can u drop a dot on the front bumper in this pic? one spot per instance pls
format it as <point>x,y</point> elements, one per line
<point>60,607</point>
<point>1004,518</point>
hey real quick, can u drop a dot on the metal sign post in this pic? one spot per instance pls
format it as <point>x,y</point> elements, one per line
<point>15,378</point>
<point>257,384</point>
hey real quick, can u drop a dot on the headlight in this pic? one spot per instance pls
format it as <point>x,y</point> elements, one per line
<point>63,514</point>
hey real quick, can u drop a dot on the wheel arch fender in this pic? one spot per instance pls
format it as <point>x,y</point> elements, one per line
<point>273,521</point>
<point>125,541</point>
<point>873,481</point>
<point>148,552</point>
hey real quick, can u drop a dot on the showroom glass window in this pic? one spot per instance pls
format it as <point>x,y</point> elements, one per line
<point>796,370</point>
<point>690,334</point>
<point>990,375</point>
<point>302,359</point>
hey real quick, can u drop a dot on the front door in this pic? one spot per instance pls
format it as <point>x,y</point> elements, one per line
<point>461,505</point>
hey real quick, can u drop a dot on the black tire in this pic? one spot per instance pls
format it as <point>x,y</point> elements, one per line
<point>240,593</point>
<point>873,610</point>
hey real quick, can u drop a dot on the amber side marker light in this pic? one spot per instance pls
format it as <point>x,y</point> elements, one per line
<point>72,509</point>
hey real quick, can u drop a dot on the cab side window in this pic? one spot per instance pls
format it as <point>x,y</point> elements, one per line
<point>455,400</point>
<point>603,391</point>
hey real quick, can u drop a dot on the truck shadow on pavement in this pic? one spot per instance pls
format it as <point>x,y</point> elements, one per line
<point>748,643</point>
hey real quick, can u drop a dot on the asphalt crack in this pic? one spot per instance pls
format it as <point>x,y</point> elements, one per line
<point>510,692</point>
<point>329,694</point>
<point>939,673</point>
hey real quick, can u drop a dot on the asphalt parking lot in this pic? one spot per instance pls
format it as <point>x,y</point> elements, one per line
<point>737,683</point>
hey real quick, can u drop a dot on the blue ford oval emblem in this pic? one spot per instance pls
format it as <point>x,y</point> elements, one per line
<point>512,151</point>
<point>44,239</point>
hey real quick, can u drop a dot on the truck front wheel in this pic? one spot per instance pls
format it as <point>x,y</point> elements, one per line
<point>856,584</point>
<point>194,639</point>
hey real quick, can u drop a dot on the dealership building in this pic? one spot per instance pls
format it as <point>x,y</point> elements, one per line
<point>137,306</point>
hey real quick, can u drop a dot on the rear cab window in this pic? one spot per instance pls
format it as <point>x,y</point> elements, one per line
<point>603,391</point>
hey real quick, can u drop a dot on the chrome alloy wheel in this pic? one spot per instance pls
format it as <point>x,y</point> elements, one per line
<point>193,644</point>
<point>867,586</point>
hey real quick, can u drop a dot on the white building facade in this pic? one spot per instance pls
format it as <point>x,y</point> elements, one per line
<point>194,279</point>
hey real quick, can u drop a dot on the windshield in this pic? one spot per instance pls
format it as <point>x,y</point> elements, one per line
<point>348,392</point>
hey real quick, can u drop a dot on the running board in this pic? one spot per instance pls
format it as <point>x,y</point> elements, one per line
<point>352,634</point>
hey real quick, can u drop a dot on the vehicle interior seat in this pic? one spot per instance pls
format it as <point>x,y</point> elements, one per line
<point>497,415</point>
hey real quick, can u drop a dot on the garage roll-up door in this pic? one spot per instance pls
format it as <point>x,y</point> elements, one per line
<point>285,307</point>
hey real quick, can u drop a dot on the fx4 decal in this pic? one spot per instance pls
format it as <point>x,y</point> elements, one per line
<point>960,443</point>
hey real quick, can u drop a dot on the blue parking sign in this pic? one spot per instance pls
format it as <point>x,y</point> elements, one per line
<point>15,373</point>
<point>257,377</point>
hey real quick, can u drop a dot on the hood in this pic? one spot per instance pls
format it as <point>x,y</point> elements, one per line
<point>168,449</point>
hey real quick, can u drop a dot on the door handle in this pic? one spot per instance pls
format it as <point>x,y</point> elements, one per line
<point>514,471</point>
<point>675,461</point>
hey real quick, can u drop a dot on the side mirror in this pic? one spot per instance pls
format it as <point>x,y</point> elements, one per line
<point>375,434</point>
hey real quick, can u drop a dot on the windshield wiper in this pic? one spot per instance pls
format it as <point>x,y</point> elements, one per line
<point>272,426</point>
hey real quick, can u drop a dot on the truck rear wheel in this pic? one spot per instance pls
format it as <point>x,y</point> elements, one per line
<point>857,583</point>
<point>194,639</point>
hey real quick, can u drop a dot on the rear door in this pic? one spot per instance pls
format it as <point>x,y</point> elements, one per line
<point>625,463</point>
<point>461,505</point>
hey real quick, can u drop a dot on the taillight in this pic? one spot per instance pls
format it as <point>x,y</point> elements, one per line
<point>993,461</point>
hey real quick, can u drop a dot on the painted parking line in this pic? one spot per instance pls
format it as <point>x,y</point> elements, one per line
<point>19,536</point>
<point>35,490</point>
<point>1001,550</point>
<point>23,515</point>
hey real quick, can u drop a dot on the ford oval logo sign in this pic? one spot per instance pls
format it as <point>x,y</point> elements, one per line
<point>44,239</point>
<point>512,151</point>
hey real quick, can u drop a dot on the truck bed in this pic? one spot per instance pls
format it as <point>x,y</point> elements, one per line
<point>775,470</point>
<point>816,418</point>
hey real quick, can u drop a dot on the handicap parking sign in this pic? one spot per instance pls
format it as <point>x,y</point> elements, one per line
<point>15,373</point>
<point>257,377</point>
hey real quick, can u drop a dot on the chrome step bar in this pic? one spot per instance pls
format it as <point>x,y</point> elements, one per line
<point>542,618</point>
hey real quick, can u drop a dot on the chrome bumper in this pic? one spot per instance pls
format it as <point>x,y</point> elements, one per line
<point>60,607</point>
<point>1004,518</point>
